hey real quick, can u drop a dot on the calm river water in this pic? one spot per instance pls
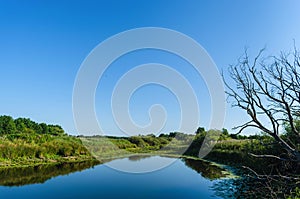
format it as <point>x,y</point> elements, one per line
<point>185,178</point>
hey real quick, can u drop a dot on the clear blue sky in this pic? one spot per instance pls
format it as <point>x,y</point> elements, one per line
<point>43,43</point>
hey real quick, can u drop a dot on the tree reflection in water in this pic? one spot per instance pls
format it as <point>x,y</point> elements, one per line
<point>205,169</point>
<point>39,174</point>
<point>42,173</point>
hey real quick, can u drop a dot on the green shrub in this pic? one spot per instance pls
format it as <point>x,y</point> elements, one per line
<point>138,141</point>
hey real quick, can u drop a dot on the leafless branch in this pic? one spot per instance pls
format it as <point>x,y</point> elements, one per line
<point>268,87</point>
<point>268,156</point>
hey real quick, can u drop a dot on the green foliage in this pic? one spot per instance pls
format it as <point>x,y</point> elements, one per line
<point>105,147</point>
<point>18,146</point>
<point>163,141</point>
<point>24,125</point>
<point>150,142</point>
<point>291,137</point>
<point>123,143</point>
<point>153,142</point>
<point>200,130</point>
<point>295,194</point>
<point>55,130</point>
<point>22,139</point>
<point>7,125</point>
<point>138,141</point>
<point>225,132</point>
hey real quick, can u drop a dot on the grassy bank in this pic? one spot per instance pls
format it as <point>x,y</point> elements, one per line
<point>28,150</point>
<point>26,143</point>
<point>226,150</point>
<point>103,147</point>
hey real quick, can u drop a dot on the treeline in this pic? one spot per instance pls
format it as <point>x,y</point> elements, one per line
<point>10,126</point>
<point>175,142</point>
<point>228,148</point>
<point>25,142</point>
<point>109,145</point>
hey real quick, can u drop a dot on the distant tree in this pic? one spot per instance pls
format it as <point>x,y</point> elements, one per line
<point>200,130</point>
<point>55,130</point>
<point>151,135</point>
<point>163,135</point>
<point>21,127</point>
<point>225,132</point>
<point>172,134</point>
<point>7,125</point>
<point>30,125</point>
<point>24,125</point>
<point>138,141</point>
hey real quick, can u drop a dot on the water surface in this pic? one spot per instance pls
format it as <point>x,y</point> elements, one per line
<point>185,178</point>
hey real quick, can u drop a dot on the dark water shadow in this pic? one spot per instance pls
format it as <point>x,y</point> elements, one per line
<point>41,173</point>
<point>205,169</point>
<point>135,158</point>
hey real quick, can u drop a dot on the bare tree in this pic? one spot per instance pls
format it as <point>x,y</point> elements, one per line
<point>268,89</point>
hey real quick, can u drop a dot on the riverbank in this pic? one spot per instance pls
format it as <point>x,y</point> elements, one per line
<point>36,149</point>
<point>25,143</point>
<point>23,150</point>
<point>109,148</point>
<point>231,153</point>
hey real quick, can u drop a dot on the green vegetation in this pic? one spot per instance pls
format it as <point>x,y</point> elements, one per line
<point>247,154</point>
<point>27,143</point>
<point>9,126</point>
<point>104,147</point>
<point>229,149</point>
<point>24,142</point>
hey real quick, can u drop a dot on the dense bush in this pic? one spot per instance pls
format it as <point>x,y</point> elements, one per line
<point>23,139</point>
<point>24,125</point>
